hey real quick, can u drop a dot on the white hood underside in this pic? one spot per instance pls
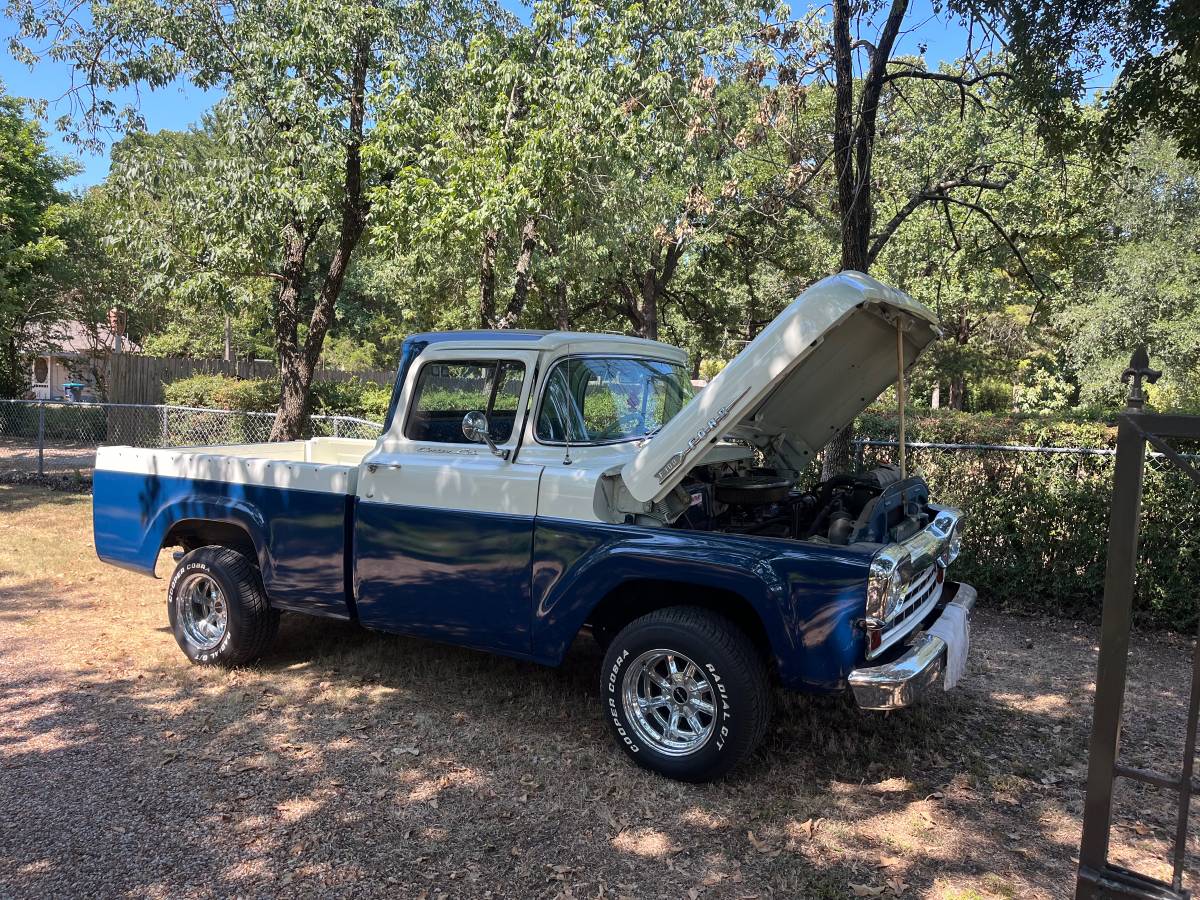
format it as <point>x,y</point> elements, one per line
<point>822,361</point>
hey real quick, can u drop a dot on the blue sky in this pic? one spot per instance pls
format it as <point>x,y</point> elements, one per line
<point>181,105</point>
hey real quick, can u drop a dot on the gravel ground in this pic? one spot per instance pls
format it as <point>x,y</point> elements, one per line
<point>359,765</point>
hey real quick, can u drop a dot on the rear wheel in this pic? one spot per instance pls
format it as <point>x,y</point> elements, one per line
<point>686,693</point>
<point>218,610</point>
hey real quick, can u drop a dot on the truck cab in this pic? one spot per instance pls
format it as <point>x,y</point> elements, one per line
<point>529,486</point>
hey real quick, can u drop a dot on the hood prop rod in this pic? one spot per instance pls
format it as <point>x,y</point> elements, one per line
<point>900,391</point>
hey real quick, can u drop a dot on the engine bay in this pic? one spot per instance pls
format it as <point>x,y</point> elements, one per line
<point>877,506</point>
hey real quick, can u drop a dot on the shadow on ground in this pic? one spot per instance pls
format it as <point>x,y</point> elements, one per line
<point>357,763</point>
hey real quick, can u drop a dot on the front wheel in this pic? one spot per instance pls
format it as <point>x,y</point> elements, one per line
<point>218,609</point>
<point>686,693</point>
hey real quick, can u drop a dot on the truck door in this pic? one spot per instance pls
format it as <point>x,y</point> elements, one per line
<point>444,527</point>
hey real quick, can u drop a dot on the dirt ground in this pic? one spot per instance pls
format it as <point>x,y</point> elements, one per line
<point>355,764</point>
<point>21,455</point>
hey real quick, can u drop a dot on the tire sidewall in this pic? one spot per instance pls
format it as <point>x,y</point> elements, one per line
<point>201,561</point>
<point>724,747</point>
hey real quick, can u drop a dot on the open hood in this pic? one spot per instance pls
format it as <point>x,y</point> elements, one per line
<point>820,363</point>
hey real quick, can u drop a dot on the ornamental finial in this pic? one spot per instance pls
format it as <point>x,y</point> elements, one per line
<point>1139,368</point>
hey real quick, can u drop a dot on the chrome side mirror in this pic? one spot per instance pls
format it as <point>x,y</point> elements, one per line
<point>477,430</point>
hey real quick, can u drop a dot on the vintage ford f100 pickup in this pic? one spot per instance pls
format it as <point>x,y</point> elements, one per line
<point>530,485</point>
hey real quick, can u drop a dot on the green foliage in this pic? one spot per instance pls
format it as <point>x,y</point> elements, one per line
<point>1037,526</point>
<point>346,398</point>
<point>1059,47</point>
<point>223,392</point>
<point>32,245</point>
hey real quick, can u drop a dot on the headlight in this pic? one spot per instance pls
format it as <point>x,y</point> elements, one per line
<point>954,545</point>
<point>891,571</point>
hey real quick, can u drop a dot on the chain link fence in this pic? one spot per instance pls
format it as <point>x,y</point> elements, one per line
<point>47,437</point>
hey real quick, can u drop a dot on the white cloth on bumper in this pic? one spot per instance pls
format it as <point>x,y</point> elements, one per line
<point>954,628</point>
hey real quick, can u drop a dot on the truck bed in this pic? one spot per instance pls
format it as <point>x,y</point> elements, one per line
<point>292,501</point>
<point>319,464</point>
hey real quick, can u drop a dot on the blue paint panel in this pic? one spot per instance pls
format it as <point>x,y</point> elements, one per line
<point>300,536</point>
<point>459,577</point>
<point>807,596</point>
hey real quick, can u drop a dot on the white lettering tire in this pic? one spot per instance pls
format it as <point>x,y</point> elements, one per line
<point>218,610</point>
<point>685,693</point>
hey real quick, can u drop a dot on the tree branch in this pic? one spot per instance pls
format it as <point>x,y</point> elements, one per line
<point>935,193</point>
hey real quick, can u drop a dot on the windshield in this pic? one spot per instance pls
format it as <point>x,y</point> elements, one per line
<point>601,399</point>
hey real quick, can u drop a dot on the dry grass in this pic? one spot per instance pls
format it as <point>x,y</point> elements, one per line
<point>357,764</point>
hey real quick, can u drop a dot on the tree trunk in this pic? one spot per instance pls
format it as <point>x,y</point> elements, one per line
<point>853,151</point>
<point>649,305</point>
<point>958,388</point>
<point>524,274</point>
<point>562,312</point>
<point>296,363</point>
<point>294,387</point>
<point>487,280</point>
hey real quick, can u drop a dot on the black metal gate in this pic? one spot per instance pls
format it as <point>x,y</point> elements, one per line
<point>1098,878</point>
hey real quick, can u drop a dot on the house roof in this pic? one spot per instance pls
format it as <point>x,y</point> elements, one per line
<point>75,338</point>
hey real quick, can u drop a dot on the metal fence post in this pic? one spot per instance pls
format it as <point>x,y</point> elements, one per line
<point>165,429</point>
<point>337,426</point>
<point>858,456</point>
<point>41,439</point>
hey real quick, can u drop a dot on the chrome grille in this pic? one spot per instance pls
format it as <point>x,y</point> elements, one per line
<point>922,593</point>
<point>920,589</point>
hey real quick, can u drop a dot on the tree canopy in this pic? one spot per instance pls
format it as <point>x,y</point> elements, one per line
<point>678,169</point>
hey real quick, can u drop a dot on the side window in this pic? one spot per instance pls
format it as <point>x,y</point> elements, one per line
<point>448,391</point>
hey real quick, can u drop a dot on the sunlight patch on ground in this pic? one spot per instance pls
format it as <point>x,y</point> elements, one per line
<point>645,842</point>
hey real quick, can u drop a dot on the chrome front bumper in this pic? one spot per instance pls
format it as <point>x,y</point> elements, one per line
<point>904,681</point>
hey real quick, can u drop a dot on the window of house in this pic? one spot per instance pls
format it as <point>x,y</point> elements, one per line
<point>448,391</point>
<point>41,370</point>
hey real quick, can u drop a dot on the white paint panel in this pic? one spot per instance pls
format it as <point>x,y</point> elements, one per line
<point>453,483</point>
<point>201,464</point>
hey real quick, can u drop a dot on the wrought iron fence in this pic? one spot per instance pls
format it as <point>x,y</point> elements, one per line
<point>45,436</point>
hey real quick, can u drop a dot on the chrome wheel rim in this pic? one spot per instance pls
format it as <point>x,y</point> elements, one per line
<point>669,702</point>
<point>202,610</point>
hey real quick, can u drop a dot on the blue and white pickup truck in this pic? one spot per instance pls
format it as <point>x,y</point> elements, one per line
<point>530,485</point>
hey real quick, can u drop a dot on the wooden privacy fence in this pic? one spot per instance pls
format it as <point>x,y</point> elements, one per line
<point>140,379</point>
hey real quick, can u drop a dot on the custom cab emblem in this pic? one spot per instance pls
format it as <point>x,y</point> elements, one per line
<point>448,451</point>
<point>677,458</point>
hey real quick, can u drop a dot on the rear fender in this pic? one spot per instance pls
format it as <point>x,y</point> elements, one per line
<point>132,525</point>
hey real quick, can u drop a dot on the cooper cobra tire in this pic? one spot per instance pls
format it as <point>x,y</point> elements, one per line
<point>218,610</point>
<point>685,693</point>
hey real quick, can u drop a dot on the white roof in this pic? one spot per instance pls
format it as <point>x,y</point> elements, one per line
<point>549,341</point>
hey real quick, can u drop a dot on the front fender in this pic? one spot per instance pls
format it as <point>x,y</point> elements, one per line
<point>807,597</point>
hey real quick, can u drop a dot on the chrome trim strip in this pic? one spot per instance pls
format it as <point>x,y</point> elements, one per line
<point>902,682</point>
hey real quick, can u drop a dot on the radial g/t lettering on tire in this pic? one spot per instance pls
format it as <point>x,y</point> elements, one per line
<point>685,693</point>
<point>218,610</point>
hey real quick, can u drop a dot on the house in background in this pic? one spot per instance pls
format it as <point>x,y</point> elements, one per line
<point>74,366</point>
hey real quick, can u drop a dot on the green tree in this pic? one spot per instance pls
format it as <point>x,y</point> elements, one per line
<point>1057,47</point>
<point>281,193</point>
<point>32,246</point>
<point>1148,288</point>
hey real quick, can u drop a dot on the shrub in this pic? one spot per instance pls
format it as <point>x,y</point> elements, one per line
<point>224,392</point>
<point>344,398</point>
